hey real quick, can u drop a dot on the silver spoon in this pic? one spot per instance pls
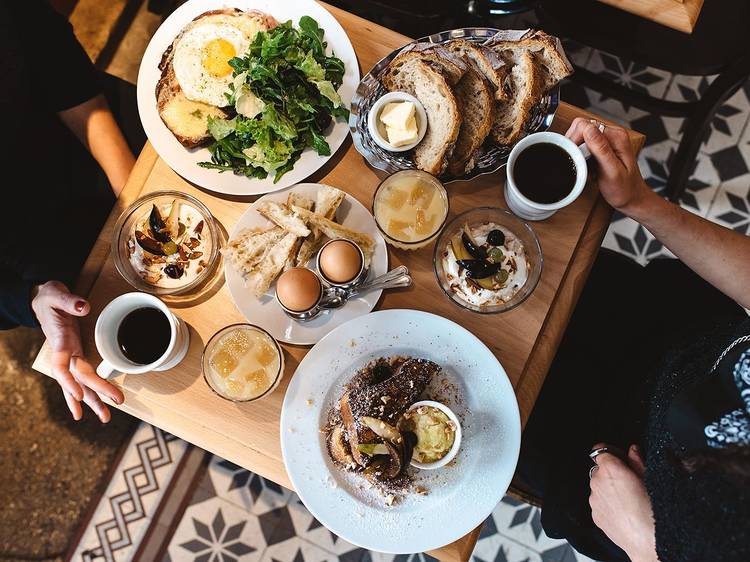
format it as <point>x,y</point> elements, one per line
<point>336,297</point>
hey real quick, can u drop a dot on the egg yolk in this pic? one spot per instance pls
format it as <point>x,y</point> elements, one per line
<point>216,55</point>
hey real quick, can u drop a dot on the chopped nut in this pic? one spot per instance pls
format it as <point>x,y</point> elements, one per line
<point>390,499</point>
<point>420,490</point>
<point>385,399</point>
<point>310,401</point>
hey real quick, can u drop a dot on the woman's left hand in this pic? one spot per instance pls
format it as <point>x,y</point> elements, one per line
<point>620,505</point>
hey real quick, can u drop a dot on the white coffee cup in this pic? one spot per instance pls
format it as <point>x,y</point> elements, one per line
<point>114,361</point>
<point>531,210</point>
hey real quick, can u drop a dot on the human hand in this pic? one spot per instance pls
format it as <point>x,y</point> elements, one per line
<point>620,505</point>
<point>620,181</point>
<point>57,310</point>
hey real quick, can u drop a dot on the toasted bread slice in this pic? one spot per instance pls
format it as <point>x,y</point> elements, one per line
<point>491,66</point>
<point>326,203</point>
<point>285,217</point>
<point>430,87</point>
<point>247,249</point>
<point>452,66</point>
<point>527,89</point>
<point>477,106</point>
<point>334,230</point>
<point>184,117</point>
<point>295,199</point>
<point>386,401</point>
<point>270,265</point>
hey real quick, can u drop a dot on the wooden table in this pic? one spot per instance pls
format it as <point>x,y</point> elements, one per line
<point>677,14</point>
<point>524,339</point>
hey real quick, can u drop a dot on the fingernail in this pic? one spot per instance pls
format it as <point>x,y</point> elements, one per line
<point>635,448</point>
<point>80,305</point>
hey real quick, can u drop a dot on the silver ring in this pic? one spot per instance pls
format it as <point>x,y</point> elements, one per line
<point>591,471</point>
<point>596,452</point>
<point>598,124</point>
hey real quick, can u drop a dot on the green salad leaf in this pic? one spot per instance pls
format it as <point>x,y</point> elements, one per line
<point>297,84</point>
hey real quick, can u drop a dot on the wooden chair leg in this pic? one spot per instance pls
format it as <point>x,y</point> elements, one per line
<point>696,125</point>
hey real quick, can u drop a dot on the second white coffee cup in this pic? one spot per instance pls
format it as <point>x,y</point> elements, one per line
<point>114,361</point>
<point>524,207</point>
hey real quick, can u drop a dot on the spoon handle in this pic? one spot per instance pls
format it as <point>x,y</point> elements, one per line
<point>392,274</point>
<point>403,280</point>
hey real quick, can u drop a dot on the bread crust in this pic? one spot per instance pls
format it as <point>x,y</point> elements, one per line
<point>477,107</point>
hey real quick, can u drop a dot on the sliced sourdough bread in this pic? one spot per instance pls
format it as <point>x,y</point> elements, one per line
<point>452,66</point>
<point>546,50</point>
<point>486,61</point>
<point>428,84</point>
<point>477,108</point>
<point>526,87</point>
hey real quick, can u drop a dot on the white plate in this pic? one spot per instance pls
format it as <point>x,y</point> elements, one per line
<point>267,313</point>
<point>461,496</point>
<point>184,161</point>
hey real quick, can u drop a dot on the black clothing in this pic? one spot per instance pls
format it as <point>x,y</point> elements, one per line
<point>57,198</point>
<point>612,381</point>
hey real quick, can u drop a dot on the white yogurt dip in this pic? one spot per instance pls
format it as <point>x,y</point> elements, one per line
<point>514,263</point>
<point>193,243</point>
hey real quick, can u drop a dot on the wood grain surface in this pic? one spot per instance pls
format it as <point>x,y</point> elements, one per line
<point>677,14</point>
<point>524,339</point>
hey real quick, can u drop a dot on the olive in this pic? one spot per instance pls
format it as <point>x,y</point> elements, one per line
<point>496,238</point>
<point>478,269</point>
<point>474,250</point>
<point>495,255</point>
<point>502,277</point>
<point>174,270</point>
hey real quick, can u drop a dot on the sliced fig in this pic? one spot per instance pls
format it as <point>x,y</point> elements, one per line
<point>148,243</point>
<point>475,250</point>
<point>410,441</point>
<point>157,225</point>
<point>338,447</point>
<point>396,464</point>
<point>479,269</point>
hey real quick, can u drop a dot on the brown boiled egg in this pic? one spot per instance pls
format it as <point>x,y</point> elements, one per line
<point>340,261</point>
<point>298,289</point>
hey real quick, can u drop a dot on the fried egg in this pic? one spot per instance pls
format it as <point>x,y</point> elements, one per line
<point>202,54</point>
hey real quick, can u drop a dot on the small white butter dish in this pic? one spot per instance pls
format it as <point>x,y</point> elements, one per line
<point>377,129</point>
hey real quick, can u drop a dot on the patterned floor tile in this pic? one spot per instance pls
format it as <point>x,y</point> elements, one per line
<point>217,531</point>
<point>630,238</point>
<point>297,550</point>
<point>133,494</point>
<point>500,549</point>
<point>728,122</point>
<point>245,489</point>
<point>636,76</point>
<point>732,205</point>
<point>522,523</point>
<point>310,529</point>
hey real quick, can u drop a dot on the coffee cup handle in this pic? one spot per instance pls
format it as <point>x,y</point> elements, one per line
<point>106,371</point>
<point>584,150</point>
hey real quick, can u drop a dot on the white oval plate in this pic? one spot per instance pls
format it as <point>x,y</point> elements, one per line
<point>183,160</point>
<point>462,495</point>
<point>266,312</point>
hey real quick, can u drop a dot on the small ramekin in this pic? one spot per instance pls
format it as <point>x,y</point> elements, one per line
<point>456,441</point>
<point>378,134</point>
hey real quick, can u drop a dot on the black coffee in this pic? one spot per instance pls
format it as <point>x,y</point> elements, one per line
<point>143,335</point>
<point>544,173</point>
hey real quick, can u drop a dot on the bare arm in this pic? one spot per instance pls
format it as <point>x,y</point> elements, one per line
<point>720,255</point>
<point>92,122</point>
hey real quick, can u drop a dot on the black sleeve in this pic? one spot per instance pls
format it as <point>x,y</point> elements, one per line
<point>15,303</point>
<point>65,76</point>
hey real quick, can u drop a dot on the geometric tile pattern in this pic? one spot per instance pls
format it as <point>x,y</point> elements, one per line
<point>124,511</point>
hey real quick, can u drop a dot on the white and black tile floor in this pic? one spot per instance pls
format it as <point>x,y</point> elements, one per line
<point>234,515</point>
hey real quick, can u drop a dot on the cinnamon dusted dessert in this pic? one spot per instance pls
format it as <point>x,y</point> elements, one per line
<point>363,434</point>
